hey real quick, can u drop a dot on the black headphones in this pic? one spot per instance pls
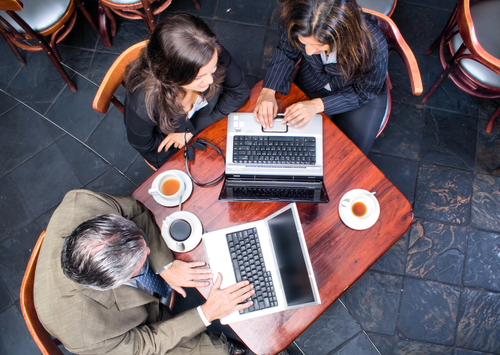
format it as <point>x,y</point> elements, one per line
<point>200,144</point>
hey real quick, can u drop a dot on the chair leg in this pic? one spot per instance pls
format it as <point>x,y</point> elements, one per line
<point>103,25</point>
<point>445,73</point>
<point>148,18</point>
<point>45,47</point>
<point>491,122</point>
<point>449,26</point>
<point>86,14</point>
<point>13,47</point>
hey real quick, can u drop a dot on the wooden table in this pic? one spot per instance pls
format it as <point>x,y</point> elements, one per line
<point>339,255</point>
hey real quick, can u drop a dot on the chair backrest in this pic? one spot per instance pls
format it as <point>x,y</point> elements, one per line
<point>11,5</point>
<point>396,42</point>
<point>42,338</point>
<point>114,78</point>
<point>468,34</point>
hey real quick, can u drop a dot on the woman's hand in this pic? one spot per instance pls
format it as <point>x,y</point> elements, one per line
<point>301,112</point>
<point>266,108</point>
<point>183,274</point>
<point>175,139</point>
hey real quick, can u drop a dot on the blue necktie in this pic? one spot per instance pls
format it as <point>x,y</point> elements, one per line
<point>154,283</point>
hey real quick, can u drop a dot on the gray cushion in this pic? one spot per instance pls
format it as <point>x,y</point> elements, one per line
<point>39,14</point>
<point>486,18</point>
<point>382,6</point>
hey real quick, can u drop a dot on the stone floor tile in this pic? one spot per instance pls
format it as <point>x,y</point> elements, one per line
<point>401,136</point>
<point>443,194</point>
<point>359,345</point>
<point>449,139</point>
<point>409,347</point>
<point>429,311</point>
<point>373,300</point>
<point>15,338</point>
<point>478,321</point>
<point>485,207</point>
<point>245,11</point>
<point>436,251</point>
<point>44,180</point>
<point>482,267</point>
<point>329,331</point>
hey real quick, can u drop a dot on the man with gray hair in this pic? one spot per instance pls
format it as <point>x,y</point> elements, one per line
<point>103,273</point>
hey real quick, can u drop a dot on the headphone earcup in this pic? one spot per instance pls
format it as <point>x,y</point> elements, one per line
<point>199,145</point>
<point>190,153</point>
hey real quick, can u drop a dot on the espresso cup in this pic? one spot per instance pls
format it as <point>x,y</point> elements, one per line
<point>180,230</point>
<point>168,185</point>
<point>360,206</point>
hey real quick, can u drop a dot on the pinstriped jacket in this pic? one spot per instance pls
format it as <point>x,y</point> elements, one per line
<point>344,96</point>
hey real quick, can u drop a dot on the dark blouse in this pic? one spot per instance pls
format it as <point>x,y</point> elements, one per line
<point>145,135</point>
<point>315,75</point>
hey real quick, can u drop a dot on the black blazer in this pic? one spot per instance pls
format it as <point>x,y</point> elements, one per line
<point>145,136</point>
<point>314,75</point>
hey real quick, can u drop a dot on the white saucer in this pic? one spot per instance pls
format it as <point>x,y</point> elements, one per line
<point>358,223</point>
<point>187,192</point>
<point>196,232</point>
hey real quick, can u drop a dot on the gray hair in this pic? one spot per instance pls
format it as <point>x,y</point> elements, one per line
<point>103,252</point>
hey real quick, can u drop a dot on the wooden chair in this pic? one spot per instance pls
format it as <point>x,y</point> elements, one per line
<point>42,338</point>
<point>396,42</point>
<point>385,7</point>
<point>113,79</point>
<point>39,19</point>
<point>471,36</point>
<point>47,344</point>
<point>131,9</point>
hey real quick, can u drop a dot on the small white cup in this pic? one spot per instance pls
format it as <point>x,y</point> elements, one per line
<point>360,206</point>
<point>164,178</point>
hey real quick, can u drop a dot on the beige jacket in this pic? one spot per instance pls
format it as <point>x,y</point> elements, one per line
<point>120,321</point>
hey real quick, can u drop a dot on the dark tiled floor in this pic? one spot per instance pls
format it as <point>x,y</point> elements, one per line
<point>436,291</point>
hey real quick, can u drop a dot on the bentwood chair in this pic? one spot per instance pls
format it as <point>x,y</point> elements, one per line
<point>38,19</point>
<point>131,9</point>
<point>471,38</point>
<point>113,79</point>
<point>396,42</point>
<point>385,7</point>
<point>47,344</point>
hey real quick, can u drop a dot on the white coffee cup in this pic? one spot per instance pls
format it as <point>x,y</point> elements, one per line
<point>360,206</point>
<point>168,185</point>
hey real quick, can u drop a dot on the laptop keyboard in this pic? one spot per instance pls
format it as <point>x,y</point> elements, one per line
<point>274,150</point>
<point>248,264</point>
<point>273,193</point>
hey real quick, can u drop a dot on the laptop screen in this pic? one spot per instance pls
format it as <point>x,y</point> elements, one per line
<point>291,263</point>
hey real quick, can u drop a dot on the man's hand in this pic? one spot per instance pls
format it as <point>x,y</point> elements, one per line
<point>266,108</point>
<point>222,302</point>
<point>301,112</point>
<point>175,139</point>
<point>183,274</point>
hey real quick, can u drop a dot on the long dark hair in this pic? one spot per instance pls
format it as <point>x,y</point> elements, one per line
<point>178,48</point>
<point>338,23</point>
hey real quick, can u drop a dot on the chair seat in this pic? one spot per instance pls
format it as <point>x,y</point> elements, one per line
<point>382,6</point>
<point>39,14</point>
<point>486,17</point>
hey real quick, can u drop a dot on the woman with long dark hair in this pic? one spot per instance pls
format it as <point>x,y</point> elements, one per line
<point>183,81</point>
<point>341,56</point>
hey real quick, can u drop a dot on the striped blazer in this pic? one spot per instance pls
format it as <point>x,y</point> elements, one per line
<point>344,96</point>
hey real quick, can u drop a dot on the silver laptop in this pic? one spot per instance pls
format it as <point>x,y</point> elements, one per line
<point>281,271</point>
<point>283,163</point>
